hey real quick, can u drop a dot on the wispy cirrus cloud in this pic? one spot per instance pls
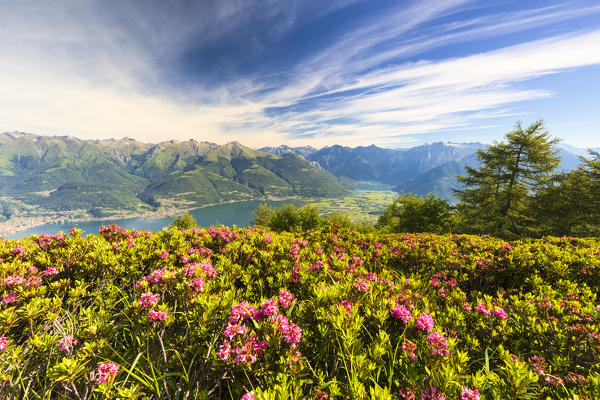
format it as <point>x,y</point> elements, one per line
<point>223,70</point>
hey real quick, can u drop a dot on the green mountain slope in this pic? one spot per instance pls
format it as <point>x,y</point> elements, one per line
<point>65,173</point>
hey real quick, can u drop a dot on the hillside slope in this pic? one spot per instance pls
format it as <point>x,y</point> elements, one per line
<point>65,173</point>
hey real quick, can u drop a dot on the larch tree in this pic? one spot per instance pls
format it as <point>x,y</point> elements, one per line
<point>496,198</point>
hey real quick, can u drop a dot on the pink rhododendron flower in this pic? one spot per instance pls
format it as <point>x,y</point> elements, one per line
<point>157,315</point>
<point>233,330</point>
<point>482,309</point>
<point>439,344</point>
<point>242,311</point>
<point>545,304</point>
<point>500,313</point>
<point>250,351</point>
<point>164,254</point>
<point>361,285</point>
<point>107,371</point>
<point>291,334</point>
<point>407,394</point>
<point>347,305</point>
<point>224,351</point>
<point>14,280</point>
<point>66,344</point>
<point>3,342</point>
<point>10,298</point>
<point>148,299</point>
<point>466,306</point>
<point>279,320</point>
<point>50,271</point>
<point>294,277</point>
<point>33,281</point>
<point>208,270</point>
<point>468,394</point>
<point>197,285</point>
<point>248,396</point>
<point>18,250</point>
<point>285,298</point>
<point>402,313</point>
<point>269,307</point>
<point>425,322</point>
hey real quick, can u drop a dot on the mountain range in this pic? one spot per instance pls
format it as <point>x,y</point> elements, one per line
<point>62,173</point>
<point>429,168</point>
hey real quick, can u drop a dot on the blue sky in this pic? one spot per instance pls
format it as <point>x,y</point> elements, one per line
<point>270,72</point>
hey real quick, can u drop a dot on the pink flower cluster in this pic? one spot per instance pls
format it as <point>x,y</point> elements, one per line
<point>233,330</point>
<point>3,342</point>
<point>148,299</point>
<point>66,343</point>
<point>361,285</point>
<point>197,285</point>
<point>285,298</point>
<point>439,344</point>
<point>10,298</point>
<point>248,353</point>
<point>243,311</point>
<point>481,307</point>
<point>50,271</point>
<point>469,394</point>
<point>164,254</point>
<point>269,307</point>
<point>291,332</point>
<point>500,313</point>
<point>401,312</point>
<point>425,322</point>
<point>248,396</point>
<point>18,249</point>
<point>107,371</point>
<point>347,305</point>
<point>157,315</point>
<point>14,280</point>
<point>156,276</point>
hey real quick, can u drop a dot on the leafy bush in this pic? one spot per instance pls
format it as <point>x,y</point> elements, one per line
<point>185,221</point>
<point>412,213</point>
<point>222,313</point>
<point>289,218</point>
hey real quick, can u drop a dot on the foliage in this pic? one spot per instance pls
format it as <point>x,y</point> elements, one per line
<point>185,221</point>
<point>289,218</point>
<point>412,213</point>
<point>497,197</point>
<point>332,314</point>
<point>571,206</point>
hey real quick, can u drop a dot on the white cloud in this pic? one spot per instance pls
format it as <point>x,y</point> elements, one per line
<point>87,76</point>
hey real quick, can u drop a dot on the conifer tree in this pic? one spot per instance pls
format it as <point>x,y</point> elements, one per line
<point>497,197</point>
<point>571,206</point>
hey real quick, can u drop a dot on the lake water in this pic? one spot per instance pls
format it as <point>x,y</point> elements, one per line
<point>239,214</point>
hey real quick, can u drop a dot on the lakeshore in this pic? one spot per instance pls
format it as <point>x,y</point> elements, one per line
<point>153,219</point>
